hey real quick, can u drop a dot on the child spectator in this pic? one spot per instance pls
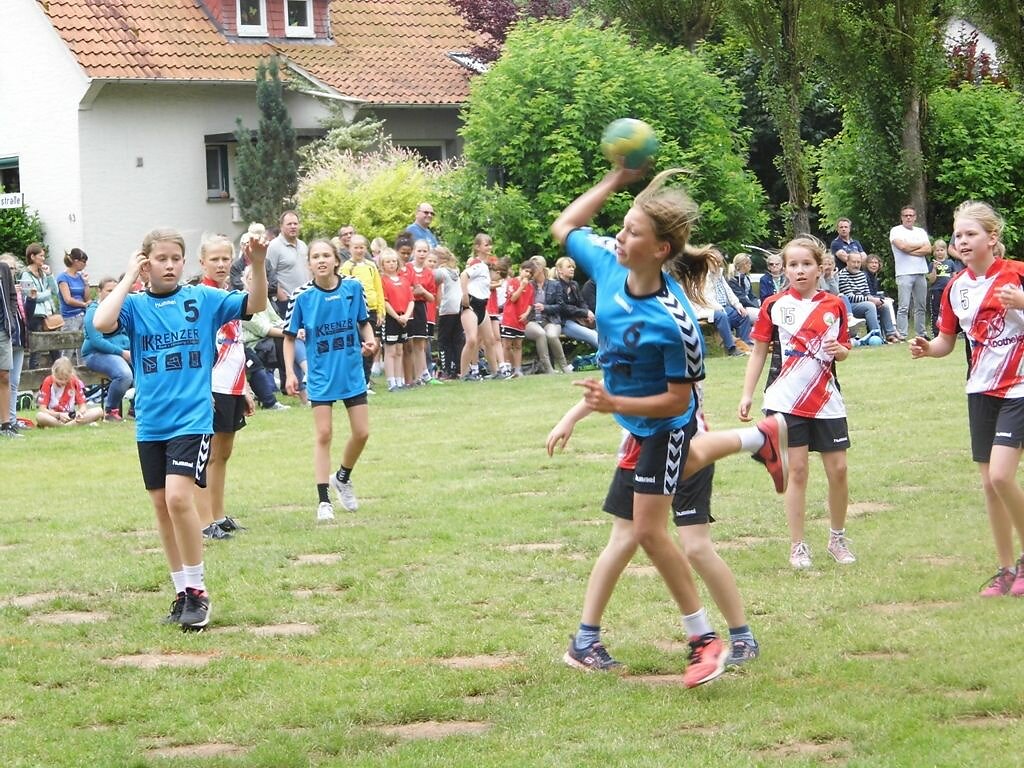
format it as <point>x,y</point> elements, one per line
<point>108,354</point>
<point>232,400</point>
<point>495,306</point>
<point>398,307</point>
<point>513,317</point>
<point>173,331</point>
<point>368,274</point>
<point>424,290</point>
<point>450,336</point>
<point>377,245</point>
<point>476,290</point>
<point>62,400</point>
<point>944,267</point>
<point>331,309</point>
<point>576,318</point>
<point>806,331</point>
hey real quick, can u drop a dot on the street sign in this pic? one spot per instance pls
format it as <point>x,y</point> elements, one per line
<point>12,200</point>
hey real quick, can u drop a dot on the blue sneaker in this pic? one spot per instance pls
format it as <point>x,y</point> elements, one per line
<point>743,650</point>
<point>592,659</point>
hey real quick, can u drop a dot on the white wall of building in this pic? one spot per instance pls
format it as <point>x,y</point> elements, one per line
<point>144,163</point>
<point>41,85</point>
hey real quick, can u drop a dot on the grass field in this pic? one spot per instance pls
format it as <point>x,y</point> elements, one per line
<point>427,629</point>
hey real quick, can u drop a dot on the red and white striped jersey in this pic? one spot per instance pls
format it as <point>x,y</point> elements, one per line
<point>802,378</point>
<point>995,334</point>
<point>228,375</point>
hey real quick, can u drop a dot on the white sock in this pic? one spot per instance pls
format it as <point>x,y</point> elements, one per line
<point>751,439</point>
<point>178,577</point>
<point>697,624</point>
<point>194,577</point>
<point>834,532</point>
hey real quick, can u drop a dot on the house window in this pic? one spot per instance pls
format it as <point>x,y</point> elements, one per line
<point>217,172</point>
<point>298,18</point>
<point>252,18</point>
<point>431,151</point>
<point>10,178</point>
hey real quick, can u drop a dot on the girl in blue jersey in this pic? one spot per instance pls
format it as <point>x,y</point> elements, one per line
<point>173,333</point>
<point>651,353</point>
<point>331,309</point>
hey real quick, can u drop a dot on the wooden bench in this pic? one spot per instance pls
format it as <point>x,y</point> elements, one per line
<point>55,341</point>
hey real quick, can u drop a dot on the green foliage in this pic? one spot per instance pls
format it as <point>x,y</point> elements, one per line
<point>342,136</point>
<point>675,23</point>
<point>975,151</point>
<point>18,228</point>
<point>535,120</point>
<point>377,192</point>
<point>267,163</point>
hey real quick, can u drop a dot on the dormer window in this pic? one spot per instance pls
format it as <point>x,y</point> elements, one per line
<point>298,18</point>
<point>252,18</point>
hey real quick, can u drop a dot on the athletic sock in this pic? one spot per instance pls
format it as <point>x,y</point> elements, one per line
<point>751,439</point>
<point>344,474</point>
<point>194,577</point>
<point>586,636</point>
<point>835,533</point>
<point>321,491</point>
<point>741,633</point>
<point>178,577</point>
<point>697,624</point>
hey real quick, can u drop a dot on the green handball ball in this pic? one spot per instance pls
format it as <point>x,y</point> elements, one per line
<point>632,140</point>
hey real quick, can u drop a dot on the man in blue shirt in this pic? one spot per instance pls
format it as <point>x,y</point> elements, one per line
<point>420,229</point>
<point>844,244</point>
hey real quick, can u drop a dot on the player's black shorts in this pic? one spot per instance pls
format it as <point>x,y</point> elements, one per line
<point>348,402</point>
<point>479,308</point>
<point>416,328</point>
<point>994,421</point>
<point>186,455</point>
<point>508,332</point>
<point>394,331</point>
<point>691,503</point>
<point>820,435</point>
<point>431,329</point>
<point>659,468</point>
<point>228,413</point>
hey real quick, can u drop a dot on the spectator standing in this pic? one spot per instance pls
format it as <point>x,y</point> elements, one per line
<point>73,287</point>
<point>420,229</point>
<point>911,248</point>
<point>8,329</point>
<point>518,301</point>
<point>450,336</point>
<point>287,270</point>
<point>844,245</point>
<point>345,234</point>
<point>23,307</point>
<point>108,354</point>
<point>424,289</point>
<point>364,270</point>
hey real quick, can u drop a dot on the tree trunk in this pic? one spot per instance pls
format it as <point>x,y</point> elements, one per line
<point>913,156</point>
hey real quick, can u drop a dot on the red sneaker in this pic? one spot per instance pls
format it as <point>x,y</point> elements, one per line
<point>708,655</point>
<point>774,454</point>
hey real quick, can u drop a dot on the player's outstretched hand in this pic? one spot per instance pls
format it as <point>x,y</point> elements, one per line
<point>596,396</point>
<point>919,347</point>
<point>559,436</point>
<point>255,249</point>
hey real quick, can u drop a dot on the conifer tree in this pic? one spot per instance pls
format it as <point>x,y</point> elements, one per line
<point>267,163</point>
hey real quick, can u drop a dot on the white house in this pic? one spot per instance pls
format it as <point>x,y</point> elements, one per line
<point>118,115</point>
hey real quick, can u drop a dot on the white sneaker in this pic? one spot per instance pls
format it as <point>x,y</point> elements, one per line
<point>568,369</point>
<point>277,406</point>
<point>346,494</point>
<point>325,512</point>
<point>800,556</point>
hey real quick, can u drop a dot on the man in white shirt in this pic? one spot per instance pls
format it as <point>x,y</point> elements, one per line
<point>911,248</point>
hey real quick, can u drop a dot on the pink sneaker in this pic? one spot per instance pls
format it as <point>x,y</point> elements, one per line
<point>707,660</point>
<point>1000,584</point>
<point>1017,590</point>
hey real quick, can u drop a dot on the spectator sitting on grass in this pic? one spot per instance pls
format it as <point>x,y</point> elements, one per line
<point>62,399</point>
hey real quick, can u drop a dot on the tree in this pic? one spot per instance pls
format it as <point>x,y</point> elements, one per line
<point>492,19</point>
<point>1003,21</point>
<point>675,23</point>
<point>533,124</point>
<point>18,228</point>
<point>267,161</point>
<point>344,136</point>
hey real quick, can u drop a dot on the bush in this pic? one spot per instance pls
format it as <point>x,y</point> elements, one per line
<point>974,143</point>
<point>377,192</point>
<point>533,124</point>
<point>18,228</point>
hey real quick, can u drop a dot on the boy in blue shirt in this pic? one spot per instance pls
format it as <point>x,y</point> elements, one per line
<point>173,331</point>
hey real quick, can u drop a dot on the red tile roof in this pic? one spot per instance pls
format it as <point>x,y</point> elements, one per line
<point>383,51</point>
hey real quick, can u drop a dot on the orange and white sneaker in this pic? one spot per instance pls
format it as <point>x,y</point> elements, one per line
<point>774,454</point>
<point>708,656</point>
